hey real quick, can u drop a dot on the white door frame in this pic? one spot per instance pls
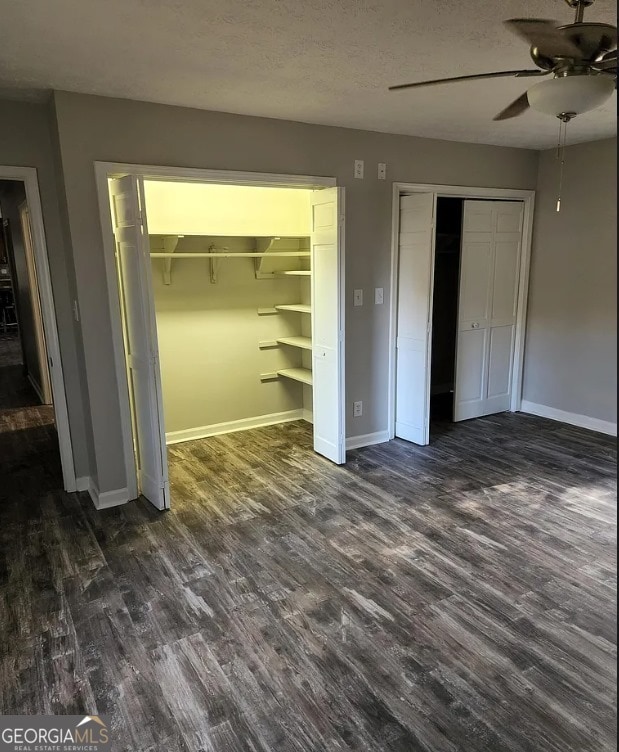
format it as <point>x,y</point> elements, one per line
<point>106,170</point>
<point>28,176</point>
<point>464,192</point>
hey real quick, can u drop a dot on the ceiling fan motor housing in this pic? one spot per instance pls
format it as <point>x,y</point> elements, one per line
<point>592,39</point>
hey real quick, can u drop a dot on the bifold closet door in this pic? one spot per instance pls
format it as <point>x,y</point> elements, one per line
<point>133,263</point>
<point>489,273</point>
<point>413,336</point>
<point>327,207</point>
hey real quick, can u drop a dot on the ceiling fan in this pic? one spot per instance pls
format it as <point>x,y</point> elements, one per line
<point>581,56</point>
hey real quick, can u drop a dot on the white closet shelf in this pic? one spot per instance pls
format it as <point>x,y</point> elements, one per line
<point>240,254</point>
<point>305,343</point>
<point>300,307</point>
<point>294,273</point>
<point>304,375</point>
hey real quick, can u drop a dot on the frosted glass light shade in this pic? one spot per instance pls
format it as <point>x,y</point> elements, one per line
<point>570,94</point>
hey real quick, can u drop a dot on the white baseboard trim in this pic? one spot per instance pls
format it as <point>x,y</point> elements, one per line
<point>107,499</point>
<point>202,432</point>
<point>308,415</point>
<point>367,439</point>
<point>574,419</point>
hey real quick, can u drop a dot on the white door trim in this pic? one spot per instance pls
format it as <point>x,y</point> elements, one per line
<point>106,170</point>
<point>458,191</point>
<point>28,176</point>
<point>198,175</point>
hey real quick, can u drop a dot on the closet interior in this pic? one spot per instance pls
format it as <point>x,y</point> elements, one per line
<point>231,274</point>
<point>448,243</point>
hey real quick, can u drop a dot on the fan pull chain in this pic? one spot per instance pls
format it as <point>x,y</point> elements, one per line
<point>563,121</point>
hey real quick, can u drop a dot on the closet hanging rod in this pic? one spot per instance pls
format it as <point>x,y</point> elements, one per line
<point>272,254</point>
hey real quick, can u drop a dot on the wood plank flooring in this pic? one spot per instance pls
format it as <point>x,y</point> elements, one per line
<point>29,455</point>
<point>454,597</point>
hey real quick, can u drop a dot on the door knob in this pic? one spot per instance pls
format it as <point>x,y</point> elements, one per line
<point>475,325</point>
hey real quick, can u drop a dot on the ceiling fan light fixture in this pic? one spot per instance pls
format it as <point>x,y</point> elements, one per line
<point>573,94</point>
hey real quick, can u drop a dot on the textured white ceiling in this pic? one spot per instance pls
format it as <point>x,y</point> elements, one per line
<point>317,61</point>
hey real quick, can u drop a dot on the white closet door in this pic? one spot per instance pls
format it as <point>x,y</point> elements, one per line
<point>327,207</point>
<point>415,273</point>
<point>133,260</point>
<point>489,271</point>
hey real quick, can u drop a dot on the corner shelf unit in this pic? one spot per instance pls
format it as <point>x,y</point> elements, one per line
<point>298,344</point>
<point>304,375</point>
<point>298,307</point>
<point>294,273</point>
<point>305,343</point>
<point>275,248</point>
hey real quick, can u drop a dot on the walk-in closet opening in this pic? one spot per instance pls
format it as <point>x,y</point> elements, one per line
<point>459,276</point>
<point>230,303</point>
<point>234,330</point>
<point>445,308</point>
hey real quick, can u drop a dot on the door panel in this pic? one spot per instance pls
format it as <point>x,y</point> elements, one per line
<point>133,264</point>
<point>491,245</point>
<point>504,292</point>
<point>508,217</point>
<point>474,279</point>
<point>477,218</point>
<point>471,349</point>
<point>500,358</point>
<point>327,207</point>
<point>415,271</point>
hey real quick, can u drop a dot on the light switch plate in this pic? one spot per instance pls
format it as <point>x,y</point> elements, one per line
<point>359,168</point>
<point>378,296</point>
<point>358,297</point>
<point>382,171</point>
<point>357,409</point>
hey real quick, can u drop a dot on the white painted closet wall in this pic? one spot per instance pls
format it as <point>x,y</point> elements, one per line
<point>209,333</point>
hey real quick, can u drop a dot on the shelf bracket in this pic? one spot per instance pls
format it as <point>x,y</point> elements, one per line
<point>258,262</point>
<point>170,242</point>
<point>214,262</point>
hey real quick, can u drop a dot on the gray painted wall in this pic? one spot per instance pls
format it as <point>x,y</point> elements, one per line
<point>12,195</point>
<point>97,128</point>
<point>25,142</point>
<point>571,343</point>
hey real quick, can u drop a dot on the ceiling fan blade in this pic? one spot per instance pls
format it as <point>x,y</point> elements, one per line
<point>517,107</point>
<point>474,77</point>
<point>608,62</point>
<point>544,35</point>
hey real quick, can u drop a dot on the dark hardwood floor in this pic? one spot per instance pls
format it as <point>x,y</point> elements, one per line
<point>29,455</point>
<point>454,597</point>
